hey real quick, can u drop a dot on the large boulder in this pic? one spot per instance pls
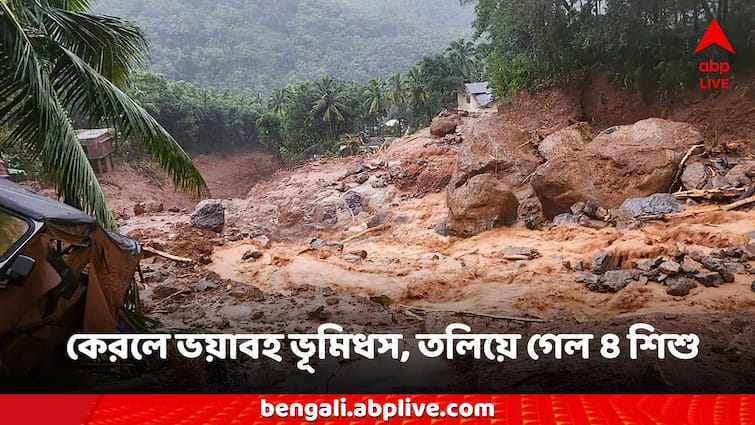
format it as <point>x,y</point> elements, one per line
<point>209,214</point>
<point>489,184</point>
<point>480,204</point>
<point>443,124</point>
<point>627,161</point>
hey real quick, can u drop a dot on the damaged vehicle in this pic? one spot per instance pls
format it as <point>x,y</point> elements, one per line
<point>60,274</point>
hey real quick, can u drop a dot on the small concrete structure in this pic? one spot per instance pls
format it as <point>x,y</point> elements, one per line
<point>476,97</point>
<point>99,145</point>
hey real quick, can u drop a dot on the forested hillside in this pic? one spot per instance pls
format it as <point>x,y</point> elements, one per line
<point>261,44</point>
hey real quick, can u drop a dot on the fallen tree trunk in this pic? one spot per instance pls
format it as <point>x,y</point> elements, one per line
<point>722,194</point>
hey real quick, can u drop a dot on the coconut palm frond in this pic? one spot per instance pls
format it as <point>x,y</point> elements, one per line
<point>56,60</point>
<point>83,89</point>
<point>113,47</point>
<point>30,107</point>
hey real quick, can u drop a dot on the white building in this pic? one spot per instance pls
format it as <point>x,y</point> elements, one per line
<point>477,97</point>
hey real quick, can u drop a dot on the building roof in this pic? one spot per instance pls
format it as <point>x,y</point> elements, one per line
<point>92,134</point>
<point>481,91</point>
<point>478,88</point>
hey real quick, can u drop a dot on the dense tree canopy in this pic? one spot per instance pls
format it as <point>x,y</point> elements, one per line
<point>262,44</point>
<point>644,43</point>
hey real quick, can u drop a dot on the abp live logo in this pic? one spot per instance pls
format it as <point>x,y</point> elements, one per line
<point>714,35</point>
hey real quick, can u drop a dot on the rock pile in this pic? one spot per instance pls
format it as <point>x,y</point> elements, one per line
<point>680,273</point>
<point>717,174</point>
<point>499,171</point>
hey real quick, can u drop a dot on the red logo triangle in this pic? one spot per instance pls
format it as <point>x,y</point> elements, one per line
<point>714,35</point>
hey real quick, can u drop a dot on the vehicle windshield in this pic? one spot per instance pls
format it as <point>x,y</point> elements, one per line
<point>12,229</point>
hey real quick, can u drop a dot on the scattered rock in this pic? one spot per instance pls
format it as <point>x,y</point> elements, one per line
<point>738,252</point>
<point>140,209</point>
<point>709,279</point>
<point>362,254</point>
<point>205,259</point>
<point>441,227</point>
<point>204,284</point>
<point>589,279</point>
<point>579,266</point>
<point>649,265</point>
<point>355,201</point>
<point>400,218</point>
<point>656,204</point>
<point>353,258</point>
<point>753,286</point>
<point>262,241</point>
<point>237,313</point>
<point>741,174</point>
<point>565,219</point>
<point>670,267</point>
<point>735,268</point>
<point>690,266</point>
<point>714,265</point>
<point>695,176</point>
<point>680,286</point>
<point>251,254</point>
<point>174,210</point>
<point>431,256</point>
<point>383,300</point>
<point>615,280</point>
<point>209,214</point>
<point>356,168</point>
<point>362,178</point>
<point>601,262</point>
<point>518,251</point>
<point>320,314</point>
<point>378,219</point>
<point>154,207</point>
<point>319,243</point>
<point>379,183</point>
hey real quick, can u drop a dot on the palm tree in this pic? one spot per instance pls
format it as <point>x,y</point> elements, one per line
<point>417,88</point>
<point>376,101</point>
<point>278,100</point>
<point>331,105</point>
<point>396,89</point>
<point>463,54</point>
<point>59,60</point>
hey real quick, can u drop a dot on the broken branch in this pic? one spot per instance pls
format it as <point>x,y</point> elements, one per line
<point>166,255</point>
<point>680,169</point>
<point>366,232</point>
<point>741,203</point>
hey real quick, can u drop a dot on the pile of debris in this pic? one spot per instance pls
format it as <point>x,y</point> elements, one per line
<point>718,173</point>
<point>628,215</point>
<point>680,272</point>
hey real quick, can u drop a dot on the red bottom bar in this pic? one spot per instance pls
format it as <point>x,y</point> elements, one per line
<point>365,409</point>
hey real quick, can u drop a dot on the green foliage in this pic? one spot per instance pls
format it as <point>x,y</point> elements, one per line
<point>201,119</point>
<point>61,61</point>
<point>260,44</point>
<point>270,132</point>
<point>645,44</point>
